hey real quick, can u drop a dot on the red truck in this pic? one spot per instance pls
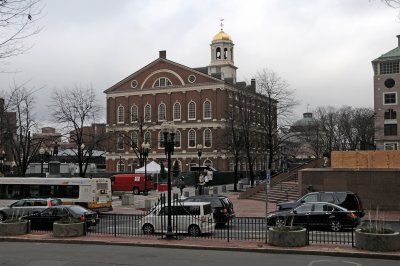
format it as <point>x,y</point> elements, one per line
<point>131,182</point>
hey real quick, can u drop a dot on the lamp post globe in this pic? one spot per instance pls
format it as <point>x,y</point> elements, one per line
<point>169,129</point>
<point>145,154</point>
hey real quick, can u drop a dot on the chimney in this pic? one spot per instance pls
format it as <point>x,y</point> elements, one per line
<point>398,40</point>
<point>253,84</point>
<point>163,54</point>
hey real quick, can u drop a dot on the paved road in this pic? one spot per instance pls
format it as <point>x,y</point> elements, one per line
<point>46,254</point>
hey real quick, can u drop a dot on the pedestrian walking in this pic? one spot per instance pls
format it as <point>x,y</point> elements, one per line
<point>181,184</point>
<point>326,158</point>
<point>206,180</point>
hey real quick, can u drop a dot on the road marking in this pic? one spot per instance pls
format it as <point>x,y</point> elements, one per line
<point>332,262</point>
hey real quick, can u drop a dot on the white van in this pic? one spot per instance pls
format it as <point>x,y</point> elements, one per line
<point>193,218</point>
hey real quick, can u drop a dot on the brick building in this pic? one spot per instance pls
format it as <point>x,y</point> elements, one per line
<point>197,100</point>
<point>386,99</point>
<point>8,126</point>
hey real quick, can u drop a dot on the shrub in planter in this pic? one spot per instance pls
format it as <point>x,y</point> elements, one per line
<point>287,236</point>
<point>68,227</point>
<point>14,227</point>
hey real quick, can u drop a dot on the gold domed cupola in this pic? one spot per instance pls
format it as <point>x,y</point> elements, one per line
<point>222,36</point>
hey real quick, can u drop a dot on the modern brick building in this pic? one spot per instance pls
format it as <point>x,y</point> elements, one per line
<point>195,99</point>
<point>386,99</point>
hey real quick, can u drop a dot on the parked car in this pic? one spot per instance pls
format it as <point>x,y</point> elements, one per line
<point>193,218</point>
<point>222,207</point>
<point>345,199</point>
<point>44,220</point>
<point>27,206</point>
<point>315,215</point>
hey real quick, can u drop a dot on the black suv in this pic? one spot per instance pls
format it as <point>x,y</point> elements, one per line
<point>345,199</point>
<point>221,205</point>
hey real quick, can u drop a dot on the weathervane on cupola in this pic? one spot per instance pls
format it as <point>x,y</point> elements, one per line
<point>222,24</point>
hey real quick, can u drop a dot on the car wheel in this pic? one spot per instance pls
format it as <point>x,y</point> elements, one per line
<point>2,216</point>
<point>194,230</point>
<point>336,226</point>
<point>279,223</point>
<point>136,191</point>
<point>148,229</point>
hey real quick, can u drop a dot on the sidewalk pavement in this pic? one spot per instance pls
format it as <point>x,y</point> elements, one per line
<point>243,207</point>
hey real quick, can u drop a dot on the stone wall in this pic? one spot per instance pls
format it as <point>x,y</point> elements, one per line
<point>375,187</point>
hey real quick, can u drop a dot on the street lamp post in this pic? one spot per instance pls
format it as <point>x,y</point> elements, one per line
<point>2,159</point>
<point>145,153</point>
<point>169,130</point>
<point>199,151</point>
<point>41,152</point>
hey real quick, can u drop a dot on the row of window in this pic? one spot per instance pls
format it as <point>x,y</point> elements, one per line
<point>121,165</point>
<point>207,137</point>
<point>389,67</point>
<point>162,110</point>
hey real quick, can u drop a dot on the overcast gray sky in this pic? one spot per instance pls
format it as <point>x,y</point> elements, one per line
<point>323,48</point>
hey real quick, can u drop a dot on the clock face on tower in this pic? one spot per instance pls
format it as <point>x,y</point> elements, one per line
<point>389,83</point>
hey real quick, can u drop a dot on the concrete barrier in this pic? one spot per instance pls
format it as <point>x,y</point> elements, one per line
<point>215,190</point>
<point>127,199</point>
<point>223,188</point>
<point>240,185</point>
<point>147,205</point>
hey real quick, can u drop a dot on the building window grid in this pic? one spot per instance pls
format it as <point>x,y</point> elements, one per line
<point>120,142</point>
<point>389,98</point>
<point>207,110</point>
<point>147,113</point>
<point>390,130</point>
<point>161,112</point>
<point>177,111</point>
<point>120,166</point>
<point>134,139</point>
<point>162,82</point>
<point>207,138</point>
<point>120,117</point>
<point>134,113</point>
<point>192,111</point>
<point>177,139</point>
<point>147,137</point>
<point>390,67</point>
<point>390,114</point>
<point>192,138</point>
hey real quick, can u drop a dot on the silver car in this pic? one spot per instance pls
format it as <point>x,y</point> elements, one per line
<point>27,207</point>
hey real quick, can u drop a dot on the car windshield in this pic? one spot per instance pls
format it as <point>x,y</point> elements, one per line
<point>78,209</point>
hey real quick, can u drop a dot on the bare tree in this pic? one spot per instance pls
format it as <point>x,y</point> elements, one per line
<point>18,125</point>
<point>17,22</point>
<point>75,109</point>
<point>277,112</point>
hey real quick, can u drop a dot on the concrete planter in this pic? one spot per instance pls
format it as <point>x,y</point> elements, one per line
<point>68,230</point>
<point>287,238</point>
<point>377,242</point>
<point>15,228</point>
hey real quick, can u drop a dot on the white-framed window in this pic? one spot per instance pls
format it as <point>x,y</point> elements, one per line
<point>147,137</point>
<point>177,139</point>
<point>120,142</point>
<point>147,113</point>
<point>192,138</point>
<point>120,114</point>
<point>161,112</point>
<point>134,139</point>
<point>207,138</point>
<point>192,111</point>
<point>391,146</point>
<point>161,139</point>
<point>134,113</point>
<point>120,166</point>
<point>177,111</point>
<point>162,82</point>
<point>207,109</point>
<point>390,98</point>
<point>390,129</point>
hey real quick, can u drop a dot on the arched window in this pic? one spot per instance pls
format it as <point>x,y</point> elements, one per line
<point>134,113</point>
<point>120,142</point>
<point>218,53</point>
<point>225,53</point>
<point>177,139</point>
<point>192,111</point>
<point>120,166</point>
<point>147,113</point>
<point>147,137</point>
<point>207,138</point>
<point>177,111</point>
<point>207,109</point>
<point>192,138</point>
<point>162,82</point>
<point>134,139</point>
<point>120,114</point>
<point>161,112</point>
<point>390,114</point>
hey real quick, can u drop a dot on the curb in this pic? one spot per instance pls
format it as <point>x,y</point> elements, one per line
<point>274,250</point>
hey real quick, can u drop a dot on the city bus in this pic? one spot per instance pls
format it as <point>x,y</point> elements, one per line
<point>91,193</point>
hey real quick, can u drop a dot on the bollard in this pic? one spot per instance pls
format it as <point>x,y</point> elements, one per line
<point>206,191</point>
<point>196,192</point>
<point>127,199</point>
<point>240,185</point>
<point>186,193</point>
<point>223,188</point>
<point>147,205</point>
<point>215,190</point>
